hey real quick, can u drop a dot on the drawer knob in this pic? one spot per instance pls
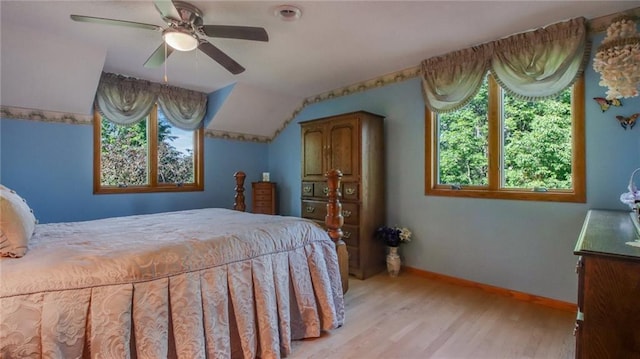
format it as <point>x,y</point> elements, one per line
<point>325,190</point>
<point>310,209</point>
<point>307,189</point>
<point>347,235</point>
<point>350,191</point>
<point>346,214</point>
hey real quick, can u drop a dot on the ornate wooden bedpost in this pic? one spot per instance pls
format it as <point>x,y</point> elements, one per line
<point>334,222</point>
<point>238,204</point>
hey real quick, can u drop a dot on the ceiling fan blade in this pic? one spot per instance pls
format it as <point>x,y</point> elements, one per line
<point>220,57</point>
<point>101,20</point>
<point>158,57</point>
<point>236,32</point>
<point>167,9</point>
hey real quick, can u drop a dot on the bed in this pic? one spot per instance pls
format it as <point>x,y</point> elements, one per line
<point>204,283</point>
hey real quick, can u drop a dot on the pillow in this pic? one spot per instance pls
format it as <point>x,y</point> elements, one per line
<point>17,224</point>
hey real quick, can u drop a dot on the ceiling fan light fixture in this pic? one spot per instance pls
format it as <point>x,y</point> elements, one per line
<point>180,39</point>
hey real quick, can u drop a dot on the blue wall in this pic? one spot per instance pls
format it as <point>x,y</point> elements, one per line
<point>519,245</point>
<point>51,166</point>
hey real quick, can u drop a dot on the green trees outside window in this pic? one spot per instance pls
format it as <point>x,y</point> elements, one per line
<point>149,156</point>
<point>498,146</point>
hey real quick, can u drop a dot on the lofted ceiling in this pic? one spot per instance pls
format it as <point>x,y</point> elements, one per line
<point>52,63</point>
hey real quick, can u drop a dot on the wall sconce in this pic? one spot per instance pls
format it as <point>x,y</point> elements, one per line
<point>618,59</point>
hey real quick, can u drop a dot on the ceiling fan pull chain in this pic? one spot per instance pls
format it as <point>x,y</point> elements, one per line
<point>165,63</point>
<point>197,62</point>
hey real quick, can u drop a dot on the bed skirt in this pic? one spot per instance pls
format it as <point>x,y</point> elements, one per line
<point>245,309</point>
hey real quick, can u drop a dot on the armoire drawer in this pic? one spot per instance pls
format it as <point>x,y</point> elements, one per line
<point>350,235</point>
<point>307,189</point>
<point>350,213</point>
<point>318,210</point>
<point>354,257</point>
<point>320,189</point>
<point>314,210</point>
<point>350,191</point>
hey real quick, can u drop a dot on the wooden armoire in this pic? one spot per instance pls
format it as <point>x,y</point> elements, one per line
<point>354,144</point>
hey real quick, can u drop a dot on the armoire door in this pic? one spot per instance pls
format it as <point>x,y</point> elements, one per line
<point>343,137</point>
<point>313,152</point>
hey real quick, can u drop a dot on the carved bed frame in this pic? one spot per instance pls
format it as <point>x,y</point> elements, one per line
<point>333,219</point>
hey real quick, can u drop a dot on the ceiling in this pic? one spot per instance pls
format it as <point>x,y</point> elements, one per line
<point>50,62</point>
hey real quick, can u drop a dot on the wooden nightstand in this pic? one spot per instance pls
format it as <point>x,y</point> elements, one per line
<point>264,197</point>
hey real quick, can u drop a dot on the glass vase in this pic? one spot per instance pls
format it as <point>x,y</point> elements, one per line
<point>393,262</point>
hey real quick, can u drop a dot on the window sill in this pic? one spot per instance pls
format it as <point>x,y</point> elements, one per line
<point>508,194</point>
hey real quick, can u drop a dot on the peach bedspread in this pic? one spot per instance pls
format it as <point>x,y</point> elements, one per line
<point>208,283</point>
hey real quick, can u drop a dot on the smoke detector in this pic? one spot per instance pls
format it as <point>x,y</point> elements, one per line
<point>288,12</point>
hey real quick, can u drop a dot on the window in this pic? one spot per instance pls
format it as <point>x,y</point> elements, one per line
<point>500,147</point>
<point>149,156</point>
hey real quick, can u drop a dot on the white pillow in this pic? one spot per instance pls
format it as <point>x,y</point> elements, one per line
<point>17,224</point>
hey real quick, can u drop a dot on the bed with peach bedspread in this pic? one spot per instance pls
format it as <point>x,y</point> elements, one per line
<point>205,283</point>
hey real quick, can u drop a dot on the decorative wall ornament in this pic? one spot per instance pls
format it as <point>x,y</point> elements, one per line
<point>618,59</point>
<point>605,104</point>
<point>628,121</point>
<point>236,136</point>
<point>20,113</point>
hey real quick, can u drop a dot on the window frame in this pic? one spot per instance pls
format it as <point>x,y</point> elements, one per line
<point>494,190</point>
<point>152,161</point>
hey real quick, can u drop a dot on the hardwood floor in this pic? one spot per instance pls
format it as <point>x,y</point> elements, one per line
<point>416,317</point>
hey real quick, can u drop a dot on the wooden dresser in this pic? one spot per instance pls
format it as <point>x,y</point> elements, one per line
<point>354,144</point>
<point>608,323</point>
<point>264,197</point>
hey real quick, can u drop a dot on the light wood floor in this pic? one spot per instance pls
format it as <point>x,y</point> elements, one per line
<point>415,317</point>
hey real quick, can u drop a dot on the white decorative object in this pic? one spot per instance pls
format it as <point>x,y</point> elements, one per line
<point>265,176</point>
<point>630,198</point>
<point>393,262</point>
<point>618,59</point>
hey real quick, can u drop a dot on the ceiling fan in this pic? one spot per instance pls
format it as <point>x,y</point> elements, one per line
<point>185,32</point>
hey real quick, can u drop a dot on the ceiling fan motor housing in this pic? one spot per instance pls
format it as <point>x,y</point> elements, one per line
<point>189,14</point>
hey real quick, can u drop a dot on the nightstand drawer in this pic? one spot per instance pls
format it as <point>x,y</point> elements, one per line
<point>263,192</point>
<point>262,197</point>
